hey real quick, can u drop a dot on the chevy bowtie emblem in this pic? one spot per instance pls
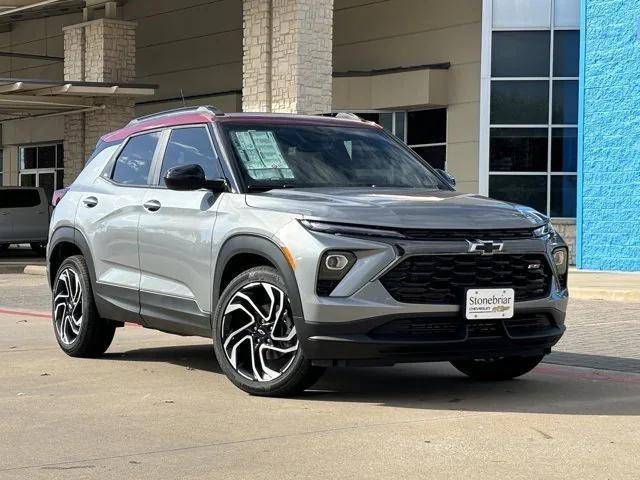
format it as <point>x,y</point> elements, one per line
<point>488,247</point>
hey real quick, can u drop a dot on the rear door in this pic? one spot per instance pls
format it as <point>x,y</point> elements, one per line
<point>6,206</point>
<point>175,236</point>
<point>108,216</point>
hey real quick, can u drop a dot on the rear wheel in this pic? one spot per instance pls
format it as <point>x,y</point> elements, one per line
<point>504,368</point>
<point>255,339</point>
<point>79,329</point>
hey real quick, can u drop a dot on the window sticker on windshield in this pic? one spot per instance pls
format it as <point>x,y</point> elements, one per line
<point>261,155</point>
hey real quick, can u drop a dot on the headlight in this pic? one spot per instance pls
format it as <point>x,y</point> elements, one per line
<point>349,230</point>
<point>543,231</point>
<point>334,266</point>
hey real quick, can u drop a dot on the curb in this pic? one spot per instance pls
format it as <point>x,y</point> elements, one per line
<point>26,269</point>
<point>586,293</point>
<point>35,270</point>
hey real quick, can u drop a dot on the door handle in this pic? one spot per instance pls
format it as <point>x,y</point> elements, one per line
<point>90,202</point>
<point>152,205</point>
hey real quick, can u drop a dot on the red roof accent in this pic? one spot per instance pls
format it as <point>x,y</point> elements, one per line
<point>174,119</point>
<point>159,122</point>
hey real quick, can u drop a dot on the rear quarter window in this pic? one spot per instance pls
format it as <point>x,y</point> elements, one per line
<point>19,198</point>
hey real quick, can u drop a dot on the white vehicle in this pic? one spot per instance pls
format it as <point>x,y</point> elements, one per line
<point>24,217</point>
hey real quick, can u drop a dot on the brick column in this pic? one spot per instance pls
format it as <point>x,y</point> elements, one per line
<point>97,51</point>
<point>287,55</point>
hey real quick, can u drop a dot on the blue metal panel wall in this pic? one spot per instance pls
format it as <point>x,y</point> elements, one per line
<point>609,171</point>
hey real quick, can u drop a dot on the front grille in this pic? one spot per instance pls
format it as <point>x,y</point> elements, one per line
<point>451,234</point>
<point>434,329</point>
<point>443,279</point>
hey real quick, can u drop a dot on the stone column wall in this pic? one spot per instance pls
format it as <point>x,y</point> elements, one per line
<point>287,61</point>
<point>97,51</point>
<point>256,48</point>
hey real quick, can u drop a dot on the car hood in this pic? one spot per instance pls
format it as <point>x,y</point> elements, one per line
<point>399,208</point>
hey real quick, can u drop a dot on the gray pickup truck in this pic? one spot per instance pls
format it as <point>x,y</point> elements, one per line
<point>24,217</point>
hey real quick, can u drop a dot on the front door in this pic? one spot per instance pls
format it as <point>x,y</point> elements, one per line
<point>108,216</point>
<point>176,230</point>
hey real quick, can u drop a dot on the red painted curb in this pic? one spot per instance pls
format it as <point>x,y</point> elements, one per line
<point>23,313</point>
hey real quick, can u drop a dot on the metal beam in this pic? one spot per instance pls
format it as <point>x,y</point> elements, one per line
<point>31,56</point>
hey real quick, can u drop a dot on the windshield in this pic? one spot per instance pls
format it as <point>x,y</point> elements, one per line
<point>300,156</point>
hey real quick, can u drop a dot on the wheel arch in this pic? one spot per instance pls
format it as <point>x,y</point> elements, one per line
<point>64,243</point>
<point>249,251</point>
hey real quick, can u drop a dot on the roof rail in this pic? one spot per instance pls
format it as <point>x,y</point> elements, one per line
<point>201,108</point>
<point>349,116</point>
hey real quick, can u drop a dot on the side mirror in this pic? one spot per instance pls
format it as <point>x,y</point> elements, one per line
<point>447,177</point>
<point>191,177</point>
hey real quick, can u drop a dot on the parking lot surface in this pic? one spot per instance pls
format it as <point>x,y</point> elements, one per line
<point>157,406</point>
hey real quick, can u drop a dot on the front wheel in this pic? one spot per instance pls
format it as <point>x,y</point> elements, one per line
<point>255,338</point>
<point>504,368</point>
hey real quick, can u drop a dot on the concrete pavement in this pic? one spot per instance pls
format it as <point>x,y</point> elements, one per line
<point>157,406</point>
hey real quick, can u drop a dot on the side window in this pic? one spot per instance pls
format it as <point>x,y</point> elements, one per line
<point>134,162</point>
<point>187,146</point>
<point>19,198</point>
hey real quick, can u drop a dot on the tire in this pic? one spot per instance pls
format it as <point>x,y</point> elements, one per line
<point>39,248</point>
<point>504,368</point>
<point>82,333</point>
<point>4,247</point>
<point>243,346</point>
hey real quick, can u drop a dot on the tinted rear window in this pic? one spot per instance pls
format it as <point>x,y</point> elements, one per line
<point>19,198</point>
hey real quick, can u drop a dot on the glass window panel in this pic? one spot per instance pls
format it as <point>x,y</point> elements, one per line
<point>190,146</point>
<point>400,125</point>
<point>566,13</point>
<point>563,195</point>
<point>566,53</point>
<point>564,150</point>
<point>521,13</point>
<point>565,102</point>
<point>28,158</point>
<point>427,126</point>
<point>518,149</point>
<point>59,179</point>
<point>133,164</point>
<point>48,182</point>
<point>47,156</point>
<point>520,102</point>
<point>529,190</point>
<point>386,121</point>
<point>520,54</point>
<point>28,180</point>
<point>435,156</point>
<point>60,155</point>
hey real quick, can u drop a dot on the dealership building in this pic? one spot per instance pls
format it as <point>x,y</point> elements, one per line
<point>512,97</point>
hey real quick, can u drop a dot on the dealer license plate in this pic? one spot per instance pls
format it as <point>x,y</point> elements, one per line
<point>484,303</point>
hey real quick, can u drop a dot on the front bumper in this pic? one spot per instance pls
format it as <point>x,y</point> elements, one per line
<point>430,338</point>
<point>362,323</point>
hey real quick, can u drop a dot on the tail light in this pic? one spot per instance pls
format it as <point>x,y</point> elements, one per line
<point>57,196</point>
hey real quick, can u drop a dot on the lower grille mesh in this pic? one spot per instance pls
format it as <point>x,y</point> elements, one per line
<point>428,329</point>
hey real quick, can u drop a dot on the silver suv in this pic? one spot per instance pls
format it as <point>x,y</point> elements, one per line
<point>298,243</point>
